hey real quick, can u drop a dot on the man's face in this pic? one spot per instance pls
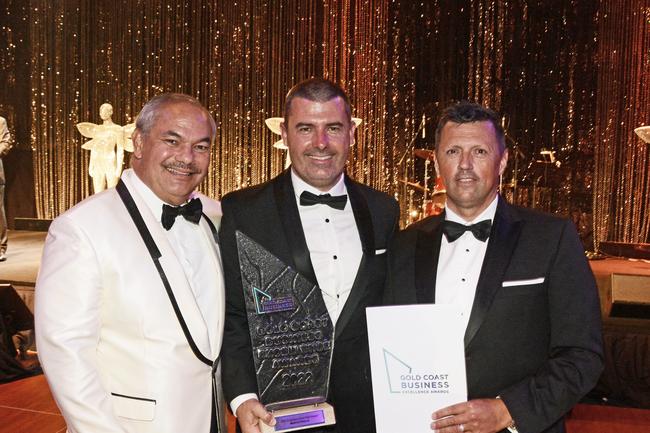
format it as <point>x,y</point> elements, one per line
<point>470,163</point>
<point>318,135</point>
<point>173,157</point>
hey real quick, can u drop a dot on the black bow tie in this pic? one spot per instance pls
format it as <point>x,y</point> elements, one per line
<point>336,202</point>
<point>480,230</point>
<point>191,211</point>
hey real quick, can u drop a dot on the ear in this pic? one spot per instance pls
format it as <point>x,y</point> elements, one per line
<point>435,163</point>
<point>353,128</point>
<point>283,133</point>
<point>138,144</point>
<point>504,162</point>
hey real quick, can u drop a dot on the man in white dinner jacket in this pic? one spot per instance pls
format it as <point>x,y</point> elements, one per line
<point>129,298</point>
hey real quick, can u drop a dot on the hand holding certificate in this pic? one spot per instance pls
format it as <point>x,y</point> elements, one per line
<point>418,364</point>
<point>486,414</point>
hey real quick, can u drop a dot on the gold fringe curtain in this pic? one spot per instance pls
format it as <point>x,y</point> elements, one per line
<point>487,44</point>
<point>622,161</point>
<point>570,76</point>
<point>238,58</point>
<point>533,61</point>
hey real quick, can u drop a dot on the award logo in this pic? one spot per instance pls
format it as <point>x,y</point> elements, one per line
<point>402,379</point>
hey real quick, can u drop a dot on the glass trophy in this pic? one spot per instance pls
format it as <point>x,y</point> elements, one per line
<point>292,337</point>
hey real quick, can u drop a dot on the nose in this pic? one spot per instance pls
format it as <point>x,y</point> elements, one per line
<point>322,140</point>
<point>465,161</point>
<point>185,153</point>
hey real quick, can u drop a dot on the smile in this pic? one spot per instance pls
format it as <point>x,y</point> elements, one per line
<point>178,172</point>
<point>321,157</point>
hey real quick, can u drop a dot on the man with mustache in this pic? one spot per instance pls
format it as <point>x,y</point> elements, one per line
<point>520,278</point>
<point>129,297</point>
<point>338,243</point>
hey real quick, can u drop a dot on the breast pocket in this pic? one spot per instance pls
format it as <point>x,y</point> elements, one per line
<point>136,408</point>
<point>522,287</point>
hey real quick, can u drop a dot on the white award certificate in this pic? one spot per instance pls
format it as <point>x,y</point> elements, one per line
<point>417,359</point>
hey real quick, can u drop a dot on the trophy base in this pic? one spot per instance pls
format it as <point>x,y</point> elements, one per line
<point>300,418</point>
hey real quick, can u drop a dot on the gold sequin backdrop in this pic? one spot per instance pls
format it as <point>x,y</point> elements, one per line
<point>569,76</point>
<point>622,175</point>
<point>238,58</point>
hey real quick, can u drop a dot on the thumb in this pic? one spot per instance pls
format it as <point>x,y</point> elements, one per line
<point>265,416</point>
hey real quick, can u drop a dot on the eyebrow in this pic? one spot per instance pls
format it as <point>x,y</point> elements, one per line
<point>177,135</point>
<point>300,124</point>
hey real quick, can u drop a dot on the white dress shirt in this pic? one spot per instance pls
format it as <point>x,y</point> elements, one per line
<point>334,247</point>
<point>334,244</point>
<point>460,262</point>
<point>192,247</point>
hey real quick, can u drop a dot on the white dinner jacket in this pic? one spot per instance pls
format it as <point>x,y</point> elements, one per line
<point>111,347</point>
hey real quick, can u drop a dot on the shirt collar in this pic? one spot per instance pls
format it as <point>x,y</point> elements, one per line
<point>153,202</point>
<point>300,185</point>
<point>487,214</point>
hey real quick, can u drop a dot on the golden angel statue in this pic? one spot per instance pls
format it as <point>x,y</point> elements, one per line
<point>109,141</point>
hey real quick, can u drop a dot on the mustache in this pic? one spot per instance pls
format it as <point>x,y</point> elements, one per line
<point>191,167</point>
<point>465,174</point>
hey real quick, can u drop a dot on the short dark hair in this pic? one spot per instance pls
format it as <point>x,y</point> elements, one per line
<point>150,111</point>
<point>317,90</point>
<point>469,112</point>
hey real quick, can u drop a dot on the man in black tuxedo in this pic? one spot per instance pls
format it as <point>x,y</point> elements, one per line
<point>532,341</point>
<point>340,246</point>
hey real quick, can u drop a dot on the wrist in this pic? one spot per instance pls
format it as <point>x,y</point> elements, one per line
<point>508,419</point>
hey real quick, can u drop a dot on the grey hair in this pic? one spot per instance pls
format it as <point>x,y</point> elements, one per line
<point>151,109</point>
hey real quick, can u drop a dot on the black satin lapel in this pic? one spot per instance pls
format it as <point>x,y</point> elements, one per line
<point>361,216</point>
<point>427,250</point>
<point>285,201</point>
<point>367,235</point>
<point>213,229</point>
<point>502,243</point>
<point>359,288</point>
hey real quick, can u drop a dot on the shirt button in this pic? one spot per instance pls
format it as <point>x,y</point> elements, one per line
<point>335,257</point>
<point>327,220</point>
<point>467,250</point>
<point>462,279</point>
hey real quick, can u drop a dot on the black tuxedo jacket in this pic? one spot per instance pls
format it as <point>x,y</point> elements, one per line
<point>534,333</point>
<point>268,214</point>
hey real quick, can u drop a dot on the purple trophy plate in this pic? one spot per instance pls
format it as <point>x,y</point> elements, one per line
<point>305,419</point>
